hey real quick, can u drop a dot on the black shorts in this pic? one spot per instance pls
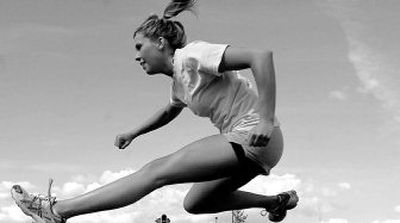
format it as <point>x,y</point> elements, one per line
<point>245,162</point>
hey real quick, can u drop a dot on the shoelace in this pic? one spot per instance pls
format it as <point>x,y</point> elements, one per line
<point>40,198</point>
<point>49,189</point>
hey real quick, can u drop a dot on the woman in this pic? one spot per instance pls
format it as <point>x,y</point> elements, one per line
<point>204,79</point>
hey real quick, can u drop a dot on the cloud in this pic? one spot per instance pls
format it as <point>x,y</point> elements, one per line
<point>336,220</point>
<point>119,216</point>
<point>81,184</point>
<point>328,192</point>
<point>397,209</point>
<point>167,200</point>
<point>109,176</point>
<point>71,188</point>
<point>9,212</point>
<point>315,199</point>
<point>5,187</point>
<point>12,214</point>
<point>344,185</point>
<point>377,73</point>
<point>374,74</point>
<point>338,95</point>
<point>387,221</point>
<point>273,184</point>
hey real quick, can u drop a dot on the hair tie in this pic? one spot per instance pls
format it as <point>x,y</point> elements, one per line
<point>163,19</point>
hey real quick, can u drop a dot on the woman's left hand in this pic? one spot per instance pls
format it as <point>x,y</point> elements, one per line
<point>260,135</point>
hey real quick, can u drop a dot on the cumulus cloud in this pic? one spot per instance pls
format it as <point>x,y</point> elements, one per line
<point>167,200</point>
<point>315,199</point>
<point>119,216</point>
<point>72,188</point>
<point>318,200</point>
<point>336,220</point>
<point>273,184</point>
<point>81,184</point>
<point>12,214</point>
<point>387,221</point>
<point>8,211</point>
<point>109,176</point>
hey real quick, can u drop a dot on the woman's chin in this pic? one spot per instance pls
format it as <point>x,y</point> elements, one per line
<point>150,72</point>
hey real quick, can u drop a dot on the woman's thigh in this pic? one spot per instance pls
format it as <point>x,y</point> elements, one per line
<point>210,190</point>
<point>207,159</point>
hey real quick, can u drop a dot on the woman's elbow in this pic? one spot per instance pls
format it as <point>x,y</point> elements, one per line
<point>266,54</point>
<point>262,56</point>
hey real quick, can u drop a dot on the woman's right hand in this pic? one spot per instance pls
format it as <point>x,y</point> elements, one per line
<point>123,140</point>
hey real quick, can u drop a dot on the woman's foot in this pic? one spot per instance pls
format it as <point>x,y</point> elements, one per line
<point>286,201</point>
<point>39,207</point>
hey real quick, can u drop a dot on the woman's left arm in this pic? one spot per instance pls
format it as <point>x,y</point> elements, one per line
<point>262,67</point>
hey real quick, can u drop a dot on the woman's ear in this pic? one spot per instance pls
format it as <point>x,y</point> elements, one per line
<point>161,43</point>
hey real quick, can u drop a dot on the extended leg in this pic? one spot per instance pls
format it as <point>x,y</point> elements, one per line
<point>207,159</point>
<point>222,194</point>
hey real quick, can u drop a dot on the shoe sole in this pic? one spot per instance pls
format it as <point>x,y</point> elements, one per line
<point>277,218</point>
<point>292,203</point>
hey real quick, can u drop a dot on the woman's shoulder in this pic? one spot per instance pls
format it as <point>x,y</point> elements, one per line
<point>200,47</point>
<point>195,44</point>
<point>192,49</point>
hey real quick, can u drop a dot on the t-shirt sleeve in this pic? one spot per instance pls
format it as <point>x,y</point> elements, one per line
<point>208,56</point>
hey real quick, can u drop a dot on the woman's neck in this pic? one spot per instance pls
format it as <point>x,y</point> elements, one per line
<point>170,65</point>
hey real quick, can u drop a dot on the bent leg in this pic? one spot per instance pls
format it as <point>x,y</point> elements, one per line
<point>204,160</point>
<point>222,195</point>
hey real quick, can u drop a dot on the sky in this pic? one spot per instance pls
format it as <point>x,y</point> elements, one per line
<point>69,84</point>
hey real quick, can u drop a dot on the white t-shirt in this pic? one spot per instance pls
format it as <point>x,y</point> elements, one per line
<point>224,97</point>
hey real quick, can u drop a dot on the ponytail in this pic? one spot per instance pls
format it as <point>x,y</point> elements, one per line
<point>173,31</point>
<point>177,6</point>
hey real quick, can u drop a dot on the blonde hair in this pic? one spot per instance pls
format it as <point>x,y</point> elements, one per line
<point>173,31</point>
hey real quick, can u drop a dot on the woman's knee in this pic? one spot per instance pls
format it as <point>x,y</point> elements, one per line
<point>156,172</point>
<point>192,205</point>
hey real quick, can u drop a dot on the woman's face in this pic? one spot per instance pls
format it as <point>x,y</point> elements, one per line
<point>149,55</point>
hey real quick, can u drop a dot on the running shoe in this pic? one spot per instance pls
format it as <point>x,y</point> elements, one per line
<point>286,201</point>
<point>39,207</point>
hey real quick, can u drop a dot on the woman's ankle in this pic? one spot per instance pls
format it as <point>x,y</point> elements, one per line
<point>57,211</point>
<point>272,203</point>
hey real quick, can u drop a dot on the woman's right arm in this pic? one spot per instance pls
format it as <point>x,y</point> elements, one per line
<point>159,119</point>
